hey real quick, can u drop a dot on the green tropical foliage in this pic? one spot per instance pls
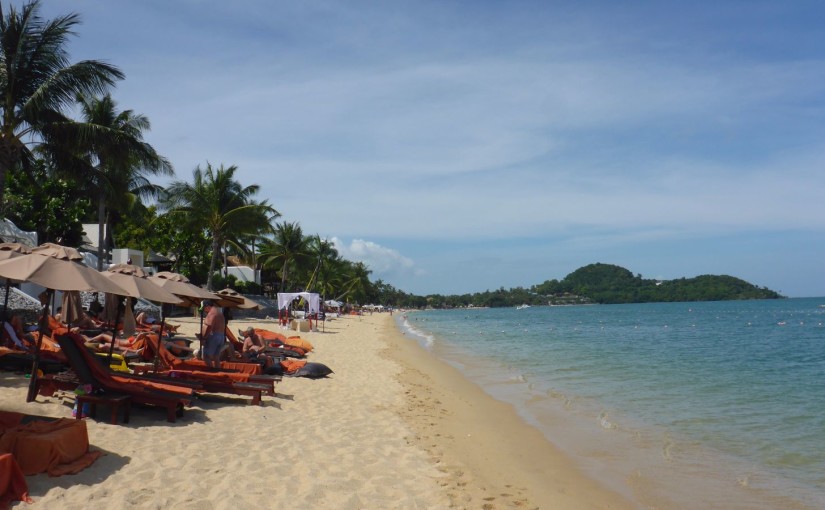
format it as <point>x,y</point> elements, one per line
<point>288,248</point>
<point>117,162</point>
<point>606,284</point>
<point>38,84</point>
<point>215,202</point>
<point>187,248</point>
<point>48,205</point>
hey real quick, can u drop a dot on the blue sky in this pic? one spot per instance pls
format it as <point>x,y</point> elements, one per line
<point>459,146</point>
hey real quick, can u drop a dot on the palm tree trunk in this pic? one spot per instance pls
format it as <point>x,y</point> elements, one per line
<point>101,222</point>
<point>6,158</point>
<point>216,250</point>
<point>283,276</point>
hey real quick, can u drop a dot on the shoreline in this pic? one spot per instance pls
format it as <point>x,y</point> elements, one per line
<point>491,457</point>
<point>392,428</point>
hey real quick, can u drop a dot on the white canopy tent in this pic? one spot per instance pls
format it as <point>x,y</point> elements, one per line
<point>285,299</point>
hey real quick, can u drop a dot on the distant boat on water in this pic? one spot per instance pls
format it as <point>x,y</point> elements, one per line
<point>522,307</point>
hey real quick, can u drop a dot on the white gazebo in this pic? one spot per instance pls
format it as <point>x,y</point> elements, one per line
<point>285,299</point>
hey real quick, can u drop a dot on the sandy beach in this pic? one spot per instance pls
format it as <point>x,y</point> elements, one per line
<point>392,428</point>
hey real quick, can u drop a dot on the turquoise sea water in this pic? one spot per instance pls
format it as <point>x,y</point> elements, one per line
<point>676,405</point>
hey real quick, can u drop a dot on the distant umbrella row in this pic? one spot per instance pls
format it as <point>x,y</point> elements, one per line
<point>61,268</point>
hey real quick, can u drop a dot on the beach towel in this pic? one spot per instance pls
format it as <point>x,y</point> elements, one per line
<point>58,447</point>
<point>129,325</point>
<point>13,486</point>
<point>300,368</point>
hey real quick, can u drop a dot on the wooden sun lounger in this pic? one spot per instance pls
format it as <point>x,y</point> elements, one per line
<point>207,382</point>
<point>213,378</point>
<point>89,371</point>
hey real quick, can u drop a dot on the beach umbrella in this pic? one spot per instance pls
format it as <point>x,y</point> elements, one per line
<point>134,280</point>
<point>72,307</point>
<point>58,251</point>
<point>230,298</point>
<point>55,268</point>
<point>137,283</point>
<point>50,270</point>
<point>10,251</point>
<point>179,285</point>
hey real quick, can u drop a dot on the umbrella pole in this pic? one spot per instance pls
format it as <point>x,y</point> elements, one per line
<point>30,396</point>
<point>6,300</point>
<point>120,308</point>
<point>200,332</point>
<point>156,361</point>
<point>5,317</point>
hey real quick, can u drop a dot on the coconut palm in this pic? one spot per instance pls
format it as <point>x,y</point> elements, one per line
<point>357,283</point>
<point>37,83</point>
<point>219,204</point>
<point>287,247</point>
<point>323,252</point>
<point>118,162</point>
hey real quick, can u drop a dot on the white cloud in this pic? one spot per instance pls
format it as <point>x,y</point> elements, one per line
<point>382,261</point>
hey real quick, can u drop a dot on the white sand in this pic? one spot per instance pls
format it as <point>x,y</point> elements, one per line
<point>377,434</point>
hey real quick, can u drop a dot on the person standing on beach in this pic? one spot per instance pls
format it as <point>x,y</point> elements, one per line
<point>212,334</point>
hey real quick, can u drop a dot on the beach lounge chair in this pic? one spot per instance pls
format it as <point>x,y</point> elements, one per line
<point>213,381</point>
<point>89,370</point>
<point>14,360</point>
<point>199,381</point>
<point>277,344</point>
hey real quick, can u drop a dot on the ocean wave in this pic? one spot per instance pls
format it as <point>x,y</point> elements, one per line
<point>425,339</point>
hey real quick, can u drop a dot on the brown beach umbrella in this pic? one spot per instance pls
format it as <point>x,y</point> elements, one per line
<point>55,272</point>
<point>179,285</point>
<point>136,282</point>
<point>72,307</point>
<point>234,299</point>
<point>10,251</point>
<point>58,251</point>
<point>56,268</point>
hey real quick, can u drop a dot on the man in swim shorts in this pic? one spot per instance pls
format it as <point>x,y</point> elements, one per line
<point>214,327</point>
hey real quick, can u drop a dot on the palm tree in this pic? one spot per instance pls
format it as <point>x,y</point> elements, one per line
<point>287,247</point>
<point>119,162</point>
<point>219,204</point>
<point>325,255</point>
<point>357,283</point>
<point>37,83</point>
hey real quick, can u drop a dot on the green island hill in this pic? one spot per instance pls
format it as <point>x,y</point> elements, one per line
<point>610,284</point>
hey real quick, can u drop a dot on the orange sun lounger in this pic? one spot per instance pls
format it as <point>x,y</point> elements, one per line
<point>215,381</point>
<point>89,370</point>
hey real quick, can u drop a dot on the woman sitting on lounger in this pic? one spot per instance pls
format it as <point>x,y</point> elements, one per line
<point>13,335</point>
<point>104,341</point>
<point>143,320</point>
<point>87,321</point>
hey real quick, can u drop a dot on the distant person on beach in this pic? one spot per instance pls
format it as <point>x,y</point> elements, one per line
<point>87,321</point>
<point>212,334</point>
<point>95,307</point>
<point>253,346</point>
<point>104,341</point>
<point>145,321</point>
